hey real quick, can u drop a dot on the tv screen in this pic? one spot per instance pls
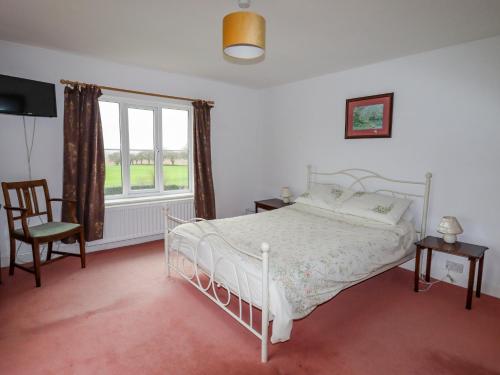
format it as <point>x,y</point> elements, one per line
<point>19,96</point>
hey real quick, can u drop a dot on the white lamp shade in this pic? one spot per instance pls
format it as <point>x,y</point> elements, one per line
<point>449,225</point>
<point>285,192</point>
<point>243,51</point>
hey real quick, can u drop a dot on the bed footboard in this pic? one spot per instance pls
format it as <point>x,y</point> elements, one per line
<point>206,279</point>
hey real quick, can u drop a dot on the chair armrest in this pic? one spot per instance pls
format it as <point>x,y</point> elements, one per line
<point>24,222</point>
<point>63,200</point>
<point>72,202</point>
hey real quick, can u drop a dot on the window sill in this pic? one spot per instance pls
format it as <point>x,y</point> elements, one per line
<point>142,200</point>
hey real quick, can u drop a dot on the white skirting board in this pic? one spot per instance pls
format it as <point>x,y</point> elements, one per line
<point>124,225</point>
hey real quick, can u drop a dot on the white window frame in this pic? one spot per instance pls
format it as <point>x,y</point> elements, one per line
<point>158,192</point>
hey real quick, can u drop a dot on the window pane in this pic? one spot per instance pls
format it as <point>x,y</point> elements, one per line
<point>110,118</point>
<point>175,149</point>
<point>141,144</point>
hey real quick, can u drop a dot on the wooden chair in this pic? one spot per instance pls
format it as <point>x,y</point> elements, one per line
<point>37,234</point>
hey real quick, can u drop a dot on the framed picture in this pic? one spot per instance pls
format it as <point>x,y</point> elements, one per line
<point>369,116</point>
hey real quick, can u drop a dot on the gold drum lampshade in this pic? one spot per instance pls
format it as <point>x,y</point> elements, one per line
<point>244,35</point>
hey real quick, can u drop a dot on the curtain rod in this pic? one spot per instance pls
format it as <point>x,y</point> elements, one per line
<point>66,82</point>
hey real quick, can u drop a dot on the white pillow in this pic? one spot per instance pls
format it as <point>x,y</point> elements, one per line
<point>328,197</point>
<point>377,207</point>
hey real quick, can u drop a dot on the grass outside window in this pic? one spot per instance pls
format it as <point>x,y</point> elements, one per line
<point>176,177</point>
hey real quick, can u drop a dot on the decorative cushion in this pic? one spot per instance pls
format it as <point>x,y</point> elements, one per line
<point>48,229</point>
<point>328,197</point>
<point>377,207</point>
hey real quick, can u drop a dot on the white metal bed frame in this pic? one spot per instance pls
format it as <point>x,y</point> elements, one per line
<point>238,287</point>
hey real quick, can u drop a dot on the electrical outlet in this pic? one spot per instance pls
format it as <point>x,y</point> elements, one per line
<point>454,267</point>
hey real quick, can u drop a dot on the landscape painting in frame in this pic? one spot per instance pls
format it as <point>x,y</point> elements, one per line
<point>369,116</point>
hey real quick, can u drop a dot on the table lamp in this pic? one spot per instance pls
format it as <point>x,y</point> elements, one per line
<point>449,227</point>
<point>285,194</point>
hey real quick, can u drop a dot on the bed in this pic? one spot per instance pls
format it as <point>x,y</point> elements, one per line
<point>288,261</point>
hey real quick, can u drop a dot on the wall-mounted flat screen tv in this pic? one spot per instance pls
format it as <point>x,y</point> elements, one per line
<point>24,97</point>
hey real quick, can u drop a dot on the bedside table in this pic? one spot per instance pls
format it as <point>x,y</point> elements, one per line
<point>467,250</point>
<point>270,204</point>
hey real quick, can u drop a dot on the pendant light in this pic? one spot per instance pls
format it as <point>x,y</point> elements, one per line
<point>244,34</point>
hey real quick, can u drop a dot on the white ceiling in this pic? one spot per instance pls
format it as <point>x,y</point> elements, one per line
<point>305,38</point>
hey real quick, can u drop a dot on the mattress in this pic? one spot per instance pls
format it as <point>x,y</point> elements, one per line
<point>314,254</point>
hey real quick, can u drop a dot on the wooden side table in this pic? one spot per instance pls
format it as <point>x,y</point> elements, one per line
<point>270,204</point>
<point>467,250</point>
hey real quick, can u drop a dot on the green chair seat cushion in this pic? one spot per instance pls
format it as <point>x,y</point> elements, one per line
<point>48,229</point>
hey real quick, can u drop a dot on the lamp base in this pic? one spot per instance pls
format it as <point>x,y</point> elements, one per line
<point>450,238</point>
<point>285,199</point>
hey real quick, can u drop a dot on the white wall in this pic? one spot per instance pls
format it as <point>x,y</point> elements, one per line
<point>446,120</point>
<point>235,120</point>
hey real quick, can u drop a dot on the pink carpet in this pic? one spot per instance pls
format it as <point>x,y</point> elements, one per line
<point>121,315</point>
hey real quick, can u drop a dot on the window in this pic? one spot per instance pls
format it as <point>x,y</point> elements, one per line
<point>147,147</point>
<point>110,118</point>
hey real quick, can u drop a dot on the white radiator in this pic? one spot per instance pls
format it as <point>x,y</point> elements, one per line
<point>122,223</point>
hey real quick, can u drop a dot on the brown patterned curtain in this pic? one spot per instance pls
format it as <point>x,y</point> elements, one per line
<point>83,178</point>
<point>204,197</point>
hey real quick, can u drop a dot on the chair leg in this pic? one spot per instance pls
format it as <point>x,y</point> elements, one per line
<point>49,250</point>
<point>12,255</point>
<point>81,241</point>
<point>35,246</point>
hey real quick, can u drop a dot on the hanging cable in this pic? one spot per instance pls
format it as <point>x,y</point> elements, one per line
<point>29,149</point>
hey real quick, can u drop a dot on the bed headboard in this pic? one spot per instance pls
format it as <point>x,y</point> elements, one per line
<point>361,179</point>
